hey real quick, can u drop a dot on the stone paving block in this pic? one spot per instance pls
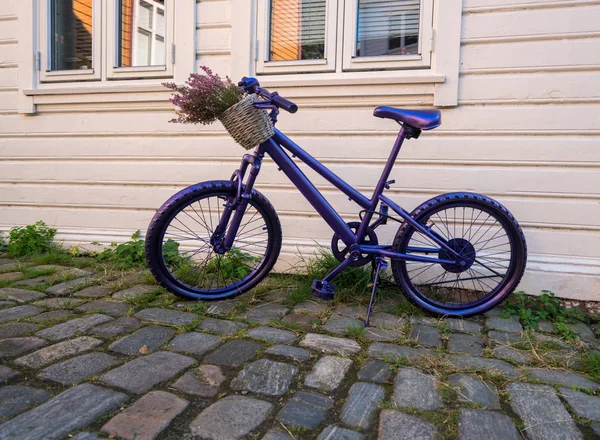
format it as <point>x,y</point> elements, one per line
<point>396,425</point>
<point>59,302</point>
<point>63,289</point>
<point>85,436</point>
<point>294,353</point>
<point>272,335</point>
<point>18,312</point>
<point>488,425</point>
<point>463,325</point>
<point>112,308</point>
<point>363,400</point>
<point>550,340</point>
<point>16,399</point>
<point>468,363</point>
<point>305,321</point>
<point>153,337</point>
<point>564,378</point>
<point>7,374</point>
<point>147,417</point>
<point>541,411</point>
<point>582,404</point>
<point>134,292</point>
<point>467,344</point>
<point>512,354</point>
<point>230,418</point>
<point>305,410</point>
<point>505,338</point>
<point>330,344</point>
<point>53,353</point>
<point>381,334</point>
<point>415,389</point>
<point>70,411</point>
<point>221,307</point>
<point>10,267</point>
<point>385,351</point>
<point>583,331</point>
<point>546,326</point>
<point>166,316</point>
<point>276,434</point>
<point>387,320</point>
<point>54,315</point>
<point>337,433</point>
<point>72,327</point>
<point>33,281</point>
<point>328,373</point>
<point>117,327</point>
<point>14,347</point>
<point>471,389</point>
<point>6,303</point>
<point>312,307</point>
<point>14,329</point>
<point>422,320</point>
<point>356,311</point>
<point>10,276</point>
<point>204,381</point>
<point>425,335</point>
<point>375,370</point>
<point>509,325</point>
<point>93,292</point>
<point>141,374</point>
<point>340,325</point>
<point>266,313</point>
<point>275,296</point>
<point>79,368</point>
<point>234,353</point>
<point>20,295</point>
<point>265,376</point>
<point>222,327</point>
<point>596,428</point>
<point>195,343</point>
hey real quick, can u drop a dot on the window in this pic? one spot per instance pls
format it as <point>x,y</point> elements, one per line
<point>306,35</point>
<point>134,37</point>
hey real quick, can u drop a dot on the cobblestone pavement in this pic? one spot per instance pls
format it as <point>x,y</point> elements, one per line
<point>89,355</point>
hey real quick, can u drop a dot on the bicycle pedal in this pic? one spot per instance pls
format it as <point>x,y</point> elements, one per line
<point>323,289</point>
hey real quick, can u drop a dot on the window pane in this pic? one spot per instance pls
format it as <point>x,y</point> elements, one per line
<point>141,33</point>
<point>297,30</point>
<point>387,27</point>
<point>71,34</point>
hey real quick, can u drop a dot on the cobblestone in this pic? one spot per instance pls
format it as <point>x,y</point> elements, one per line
<point>93,292</point>
<point>328,373</point>
<point>396,425</point>
<point>512,354</point>
<point>265,376</point>
<point>59,302</point>
<point>147,417</point>
<point>488,425</point>
<point>479,363</point>
<point>294,353</point>
<point>463,325</point>
<point>340,325</point>
<point>375,371</point>
<point>116,327</point>
<point>54,315</point>
<point>7,374</point>
<point>272,335</point>
<point>14,329</point>
<point>18,312</point>
<point>425,336</point>
<point>112,308</point>
<point>467,344</point>
<point>266,313</point>
<point>194,343</point>
<point>166,316</point>
<point>387,320</point>
<point>305,410</point>
<point>53,353</point>
<point>330,344</point>
<point>63,289</point>
<point>363,401</point>
<point>73,327</point>
<point>151,337</point>
<point>222,327</point>
<point>234,353</point>
<point>204,381</point>
<point>385,351</point>
<point>337,433</point>
<point>14,347</point>
<point>415,389</point>
<point>473,390</point>
<point>79,368</point>
<point>564,378</point>
<point>508,325</point>
<point>19,295</point>
<point>16,399</point>
<point>583,405</point>
<point>133,292</point>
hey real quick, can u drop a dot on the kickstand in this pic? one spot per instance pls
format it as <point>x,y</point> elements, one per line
<point>381,264</point>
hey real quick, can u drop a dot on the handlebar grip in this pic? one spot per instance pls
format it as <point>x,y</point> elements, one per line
<point>284,104</point>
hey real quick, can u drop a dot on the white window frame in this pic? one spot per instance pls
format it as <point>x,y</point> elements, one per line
<point>44,54</point>
<point>262,43</point>
<point>112,40</point>
<point>413,61</point>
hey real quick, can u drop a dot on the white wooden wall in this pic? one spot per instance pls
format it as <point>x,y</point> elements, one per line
<point>526,132</point>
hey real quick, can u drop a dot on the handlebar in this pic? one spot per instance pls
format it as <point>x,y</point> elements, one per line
<point>251,85</point>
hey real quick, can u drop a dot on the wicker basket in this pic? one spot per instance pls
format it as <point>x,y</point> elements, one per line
<point>247,125</point>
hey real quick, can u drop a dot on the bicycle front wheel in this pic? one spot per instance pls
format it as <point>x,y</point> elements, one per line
<point>179,250</point>
<point>492,250</point>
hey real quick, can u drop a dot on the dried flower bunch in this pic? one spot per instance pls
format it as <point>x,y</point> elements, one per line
<point>204,97</point>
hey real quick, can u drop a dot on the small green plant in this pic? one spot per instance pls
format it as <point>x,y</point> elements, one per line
<point>128,255</point>
<point>356,331</point>
<point>591,364</point>
<point>531,309</point>
<point>30,240</point>
<point>2,242</point>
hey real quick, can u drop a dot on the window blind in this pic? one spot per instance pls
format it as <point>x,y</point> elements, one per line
<point>387,27</point>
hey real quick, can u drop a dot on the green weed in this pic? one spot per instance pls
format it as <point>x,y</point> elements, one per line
<point>591,364</point>
<point>128,255</point>
<point>30,240</point>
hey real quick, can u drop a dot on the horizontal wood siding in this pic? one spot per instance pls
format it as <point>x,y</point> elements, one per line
<point>526,132</point>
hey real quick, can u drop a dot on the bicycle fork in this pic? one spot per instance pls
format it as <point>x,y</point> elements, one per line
<point>223,236</point>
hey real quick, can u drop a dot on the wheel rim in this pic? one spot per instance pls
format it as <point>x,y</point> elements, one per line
<point>189,259</point>
<point>488,257</point>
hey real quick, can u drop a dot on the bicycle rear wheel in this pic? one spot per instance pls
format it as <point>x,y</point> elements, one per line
<point>488,239</point>
<point>179,250</point>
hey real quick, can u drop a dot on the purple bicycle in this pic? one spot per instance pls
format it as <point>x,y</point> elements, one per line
<point>456,254</point>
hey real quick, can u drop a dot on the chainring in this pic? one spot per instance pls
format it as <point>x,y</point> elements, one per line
<point>340,250</point>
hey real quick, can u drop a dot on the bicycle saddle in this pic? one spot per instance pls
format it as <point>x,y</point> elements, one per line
<point>421,119</point>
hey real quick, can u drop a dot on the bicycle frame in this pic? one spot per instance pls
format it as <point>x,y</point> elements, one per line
<point>275,146</point>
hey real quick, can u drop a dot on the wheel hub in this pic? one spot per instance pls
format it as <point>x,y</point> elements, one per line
<point>466,252</point>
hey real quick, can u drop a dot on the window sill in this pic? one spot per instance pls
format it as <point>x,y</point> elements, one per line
<point>87,90</point>
<point>351,79</point>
